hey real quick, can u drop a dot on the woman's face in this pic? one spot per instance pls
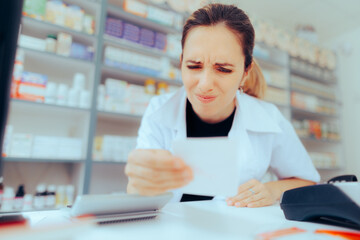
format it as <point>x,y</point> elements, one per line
<point>212,68</point>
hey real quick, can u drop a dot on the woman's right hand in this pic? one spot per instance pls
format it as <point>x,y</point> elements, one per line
<point>155,171</point>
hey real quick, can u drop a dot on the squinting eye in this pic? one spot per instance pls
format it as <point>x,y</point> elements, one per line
<point>224,70</point>
<point>193,67</point>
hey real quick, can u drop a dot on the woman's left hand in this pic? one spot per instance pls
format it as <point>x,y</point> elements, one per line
<point>253,194</point>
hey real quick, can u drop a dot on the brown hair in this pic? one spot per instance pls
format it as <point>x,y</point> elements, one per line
<point>234,18</point>
<point>255,84</point>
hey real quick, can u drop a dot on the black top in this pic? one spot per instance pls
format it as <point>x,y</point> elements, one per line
<point>195,127</point>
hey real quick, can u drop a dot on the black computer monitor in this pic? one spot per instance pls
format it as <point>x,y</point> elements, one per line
<point>10,15</point>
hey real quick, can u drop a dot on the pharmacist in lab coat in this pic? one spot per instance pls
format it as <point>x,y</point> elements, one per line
<point>220,97</point>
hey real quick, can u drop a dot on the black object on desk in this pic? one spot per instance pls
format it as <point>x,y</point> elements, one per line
<point>323,203</point>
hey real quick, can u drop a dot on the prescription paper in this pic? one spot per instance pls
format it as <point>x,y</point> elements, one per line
<point>214,164</point>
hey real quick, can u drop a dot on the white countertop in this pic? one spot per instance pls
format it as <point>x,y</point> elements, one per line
<point>191,220</point>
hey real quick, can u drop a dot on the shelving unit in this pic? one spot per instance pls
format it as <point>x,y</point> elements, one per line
<point>315,76</point>
<point>94,176</point>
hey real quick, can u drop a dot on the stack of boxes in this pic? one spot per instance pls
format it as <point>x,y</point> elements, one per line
<point>26,145</point>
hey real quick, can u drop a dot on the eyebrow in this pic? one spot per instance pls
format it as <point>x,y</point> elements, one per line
<point>217,64</point>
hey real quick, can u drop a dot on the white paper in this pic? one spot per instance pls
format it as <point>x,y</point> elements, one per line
<point>214,164</point>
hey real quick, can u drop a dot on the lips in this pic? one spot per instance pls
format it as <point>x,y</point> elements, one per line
<point>205,98</point>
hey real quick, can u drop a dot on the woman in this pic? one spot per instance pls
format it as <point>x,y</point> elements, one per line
<point>217,46</point>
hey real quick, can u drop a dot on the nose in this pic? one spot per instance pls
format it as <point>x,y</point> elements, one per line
<point>206,81</point>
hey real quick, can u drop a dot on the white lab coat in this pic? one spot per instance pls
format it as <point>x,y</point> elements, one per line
<point>266,138</point>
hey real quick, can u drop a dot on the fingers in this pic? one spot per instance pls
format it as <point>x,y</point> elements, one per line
<point>147,187</point>
<point>155,158</point>
<point>157,176</point>
<point>246,186</point>
<point>152,178</point>
<point>260,203</point>
<point>251,194</point>
<point>153,172</point>
<point>245,197</point>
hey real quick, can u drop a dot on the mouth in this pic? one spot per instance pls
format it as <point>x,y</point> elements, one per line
<point>205,98</point>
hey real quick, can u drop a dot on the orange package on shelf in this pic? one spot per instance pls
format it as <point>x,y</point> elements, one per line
<point>32,87</point>
<point>135,7</point>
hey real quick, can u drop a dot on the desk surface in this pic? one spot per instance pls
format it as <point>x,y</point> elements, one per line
<point>192,220</point>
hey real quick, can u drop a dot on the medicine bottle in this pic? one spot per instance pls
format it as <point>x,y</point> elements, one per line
<point>19,198</point>
<point>51,43</point>
<point>162,88</point>
<point>150,86</point>
<point>50,197</point>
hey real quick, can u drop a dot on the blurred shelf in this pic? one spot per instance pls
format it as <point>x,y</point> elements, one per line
<point>46,105</point>
<point>116,11</point>
<point>282,105</point>
<point>322,141</point>
<point>44,111</point>
<point>307,113</point>
<point>119,116</point>
<point>311,77</point>
<point>277,86</point>
<point>41,160</point>
<point>268,63</point>
<point>110,40</point>
<point>134,77</point>
<point>108,162</point>
<point>56,59</point>
<point>316,95</point>
<point>270,57</point>
<point>329,168</point>
<point>43,28</point>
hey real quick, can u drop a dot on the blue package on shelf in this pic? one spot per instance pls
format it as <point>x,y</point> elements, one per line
<point>147,37</point>
<point>131,32</point>
<point>114,27</point>
<point>160,41</point>
<point>78,51</point>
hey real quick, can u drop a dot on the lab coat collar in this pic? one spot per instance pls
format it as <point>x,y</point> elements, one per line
<point>253,115</point>
<point>172,114</point>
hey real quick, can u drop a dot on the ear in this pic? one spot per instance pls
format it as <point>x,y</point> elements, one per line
<point>245,76</point>
<point>249,69</point>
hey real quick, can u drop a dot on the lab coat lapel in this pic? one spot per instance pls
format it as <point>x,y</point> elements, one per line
<point>245,150</point>
<point>249,117</point>
<point>173,114</point>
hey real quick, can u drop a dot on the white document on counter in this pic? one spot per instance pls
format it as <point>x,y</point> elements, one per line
<point>214,164</point>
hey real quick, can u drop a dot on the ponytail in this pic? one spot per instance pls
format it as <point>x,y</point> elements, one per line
<point>255,84</point>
